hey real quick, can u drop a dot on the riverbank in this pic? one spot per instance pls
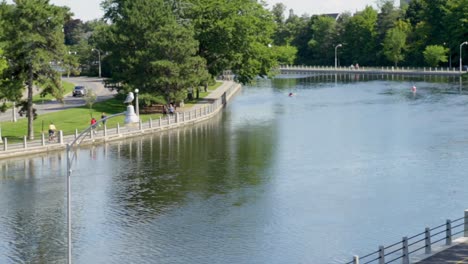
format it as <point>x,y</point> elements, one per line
<point>208,107</point>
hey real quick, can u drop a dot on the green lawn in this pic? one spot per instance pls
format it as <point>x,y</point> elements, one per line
<point>76,118</point>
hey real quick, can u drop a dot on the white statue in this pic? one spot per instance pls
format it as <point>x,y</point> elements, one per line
<point>129,98</point>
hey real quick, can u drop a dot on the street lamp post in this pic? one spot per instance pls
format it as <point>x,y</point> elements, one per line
<point>336,59</point>
<point>99,60</point>
<point>137,110</point>
<point>464,43</point>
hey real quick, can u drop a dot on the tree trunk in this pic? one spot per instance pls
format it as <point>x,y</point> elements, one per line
<point>30,105</point>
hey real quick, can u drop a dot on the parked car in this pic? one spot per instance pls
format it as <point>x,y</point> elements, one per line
<point>79,91</point>
<point>465,68</point>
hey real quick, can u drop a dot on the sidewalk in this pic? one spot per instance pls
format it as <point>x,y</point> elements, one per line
<point>210,106</point>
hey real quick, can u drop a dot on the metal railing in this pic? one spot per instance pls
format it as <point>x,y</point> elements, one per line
<point>402,250</point>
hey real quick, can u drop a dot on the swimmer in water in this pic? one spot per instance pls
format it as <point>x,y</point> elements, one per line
<point>291,94</point>
<point>413,89</point>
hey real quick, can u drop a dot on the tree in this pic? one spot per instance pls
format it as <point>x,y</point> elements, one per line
<point>150,50</point>
<point>285,55</point>
<point>360,37</point>
<point>34,42</point>
<point>433,54</point>
<point>394,45</point>
<point>234,35</point>
<point>324,39</point>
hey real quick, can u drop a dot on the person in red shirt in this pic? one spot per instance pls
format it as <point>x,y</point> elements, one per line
<point>93,124</point>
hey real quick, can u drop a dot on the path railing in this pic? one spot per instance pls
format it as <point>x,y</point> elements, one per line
<point>214,103</point>
<point>441,235</point>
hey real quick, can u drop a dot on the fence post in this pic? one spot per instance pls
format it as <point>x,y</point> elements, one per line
<point>76,133</point>
<point>159,121</point>
<point>448,239</point>
<point>61,137</point>
<point>466,223</point>
<point>5,144</point>
<point>427,240</point>
<point>118,129</point>
<point>151,122</point>
<point>25,142</point>
<point>43,139</point>
<point>105,130</point>
<point>381,255</point>
<point>140,125</point>
<point>356,260</point>
<point>405,259</point>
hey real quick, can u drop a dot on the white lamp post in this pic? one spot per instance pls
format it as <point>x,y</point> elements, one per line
<point>137,110</point>
<point>336,59</point>
<point>99,60</point>
<point>464,43</point>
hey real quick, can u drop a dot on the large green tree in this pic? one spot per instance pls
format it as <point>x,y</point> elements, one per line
<point>324,39</point>
<point>360,37</point>
<point>33,43</point>
<point>394,45</point>
<point>234,35</point>
<point>151,49</point>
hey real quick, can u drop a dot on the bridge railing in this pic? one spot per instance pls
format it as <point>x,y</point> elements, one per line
<point>440,235</point>
<point>364,68</point>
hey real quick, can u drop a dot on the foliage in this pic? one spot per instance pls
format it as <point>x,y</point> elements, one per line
<point>162,59</point>
<point>324,39</point>
<point>146,99</point>
<point>285,55</point>
<point>234,35</point>
<point>33,44</point>
<point>394,45</point>
<point>433,54</point>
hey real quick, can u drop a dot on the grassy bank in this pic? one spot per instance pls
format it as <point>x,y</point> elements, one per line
<point>69,120</point>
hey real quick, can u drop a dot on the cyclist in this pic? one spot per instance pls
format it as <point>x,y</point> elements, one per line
<point>52,130</point>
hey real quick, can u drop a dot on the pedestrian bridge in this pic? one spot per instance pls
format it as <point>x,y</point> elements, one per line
<point>388,70</point>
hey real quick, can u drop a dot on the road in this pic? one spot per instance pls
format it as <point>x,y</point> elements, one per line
<point>94,84</point>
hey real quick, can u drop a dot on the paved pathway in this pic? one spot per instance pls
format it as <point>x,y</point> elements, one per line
<point>457,254</point>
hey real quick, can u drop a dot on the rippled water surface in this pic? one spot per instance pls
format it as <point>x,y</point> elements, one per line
<point>334,171</point>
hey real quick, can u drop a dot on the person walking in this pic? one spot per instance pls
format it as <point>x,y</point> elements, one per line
<point>103,117</point>
<point>93,125</point>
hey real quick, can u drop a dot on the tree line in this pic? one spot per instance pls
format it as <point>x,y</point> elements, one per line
<point>421,33</point>
<point>169,48</point>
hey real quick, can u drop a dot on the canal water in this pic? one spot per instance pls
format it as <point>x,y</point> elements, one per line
<point>339,168</point>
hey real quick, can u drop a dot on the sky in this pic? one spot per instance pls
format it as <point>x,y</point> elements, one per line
<point>91,9</point>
